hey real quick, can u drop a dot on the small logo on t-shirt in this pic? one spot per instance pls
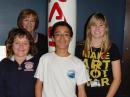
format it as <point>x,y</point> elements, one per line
<point>29,66</point>
<point>71,74</point>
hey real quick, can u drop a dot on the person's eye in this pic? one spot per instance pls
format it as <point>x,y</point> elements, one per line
<point>25,19</point>
<point>26,43</point>
<point>101,25</point>
<point>67,34</point>
<point>15,42</point>
<point>32,21</point>
<point>57,34</point>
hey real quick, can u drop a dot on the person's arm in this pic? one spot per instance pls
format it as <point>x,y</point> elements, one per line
<point>81,91</point>
<point>116,69</point>
<point>38,88</point>
<point>2,82</point>
<point>2,88</point>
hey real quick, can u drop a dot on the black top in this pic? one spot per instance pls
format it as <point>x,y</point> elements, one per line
<point>42,45</point>
<point>100,69</point>
<point>15,80</point>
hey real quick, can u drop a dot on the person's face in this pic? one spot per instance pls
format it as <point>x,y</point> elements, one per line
<point>62,37</point>
<point>21,46</point>
<point>28,23</point>
<point>98,30</point>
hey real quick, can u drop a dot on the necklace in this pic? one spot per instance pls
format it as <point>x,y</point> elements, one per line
<point>99,53</point>
<point>19,68</point>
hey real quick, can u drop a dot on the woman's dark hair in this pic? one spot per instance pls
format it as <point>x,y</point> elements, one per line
<point>61,23</point>
<point>13,33</point>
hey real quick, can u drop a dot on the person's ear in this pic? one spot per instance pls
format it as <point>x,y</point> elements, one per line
<point>70,38</point>
<point>53,38</point>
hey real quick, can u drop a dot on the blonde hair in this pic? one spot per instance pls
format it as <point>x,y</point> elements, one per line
<point>93,20</point>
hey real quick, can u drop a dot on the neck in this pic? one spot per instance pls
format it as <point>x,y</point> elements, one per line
<point>19,59</point>
<point>62,53</point>
<point>34,35</point>
<point>96,43</point>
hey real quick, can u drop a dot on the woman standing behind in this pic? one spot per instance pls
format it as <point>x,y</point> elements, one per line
<point>17,70</point>
<point>101,58</point>
<point>28,20</point>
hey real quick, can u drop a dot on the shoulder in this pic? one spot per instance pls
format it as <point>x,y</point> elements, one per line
<point>40,35</point>
<point>42,38</point>
<point>5,63</point>
<point>114,48</point>
<point>48,55</point>
<point>77,60</point>
<point>45,58</point>
<point>115,53</point>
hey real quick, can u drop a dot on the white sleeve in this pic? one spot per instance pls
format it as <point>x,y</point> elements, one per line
<point>39,74</point>
<point>82,74</point>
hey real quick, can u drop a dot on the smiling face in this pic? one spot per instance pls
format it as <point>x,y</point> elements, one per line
<point>20,46</point>
<point>62,38</point>
<point>28,23</point>
<point>98,29</point>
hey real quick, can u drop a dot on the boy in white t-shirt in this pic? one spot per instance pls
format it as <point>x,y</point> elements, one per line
<point>59,72</point>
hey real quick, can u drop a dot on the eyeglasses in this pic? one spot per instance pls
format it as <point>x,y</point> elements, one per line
<point>60,35</point>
